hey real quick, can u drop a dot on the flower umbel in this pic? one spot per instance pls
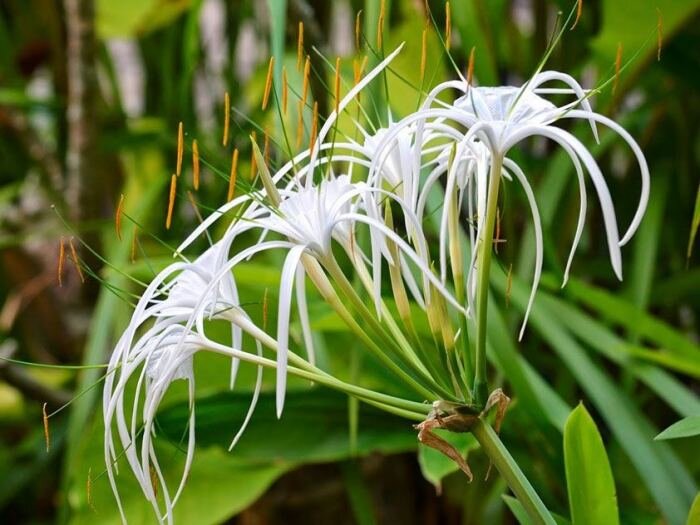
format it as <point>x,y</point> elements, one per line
<point>345,213</point>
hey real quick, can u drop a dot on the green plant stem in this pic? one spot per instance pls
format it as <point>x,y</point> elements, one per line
<point>482,286</point>
<point>427,387</point>
<point>508,468</point>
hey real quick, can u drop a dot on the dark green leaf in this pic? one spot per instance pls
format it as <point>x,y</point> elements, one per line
<point>313,427</point>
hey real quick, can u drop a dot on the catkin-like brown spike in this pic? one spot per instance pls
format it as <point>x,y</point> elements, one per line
<point>232,175</point>
<point>337,85</point>
<point>47,438</point>
<point>380,26</point>
<point>76,262</point>
<point>618,66</point>
<point>285,90</point>
<point>300,124</point>
<point>305,83</point>
<point>171,201</point>
<point>227,117</point>
<point>300,45</point>
<point>61,260</point>
<point>154,479</point>
<point>314,127</point>
<point>195,164</point>
<point>268,83</point>
<point>118,217</point>
<point>448,25</point>
<point>358,29</point>
<point>423,54</point>
<point>470,67</point>
<point>134,241</point>
<point>579,10</point>
<point>180,148</point>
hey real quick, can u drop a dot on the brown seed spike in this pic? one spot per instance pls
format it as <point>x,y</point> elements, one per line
<point>180,148</point>
<point>47,438</point>
<point>61,259</point>
<point>285,90</point>
<point>618,65</point>
<point>423,54</point>
<point>118,217</point>
<point>232,175</point>
<point>134,242</point>
<point>154,479</point>
<point>470,67</point>
<point>195,164</point>
<point>305,84</point>
<point>358,29</point>
<point>76,262</point>
<point>380,26</point>
<point>227,118</point>
<point>448,25</point>
<point>300,124</point>
<point>579,10</point>
<point>171,202</point>
<point>659,33</point>
<point>268,83</point>
<point>337,85</point>
<point>300,45</point>
<point>314,127</point>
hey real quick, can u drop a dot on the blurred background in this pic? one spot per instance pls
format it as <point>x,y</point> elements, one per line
<point>91,94</point>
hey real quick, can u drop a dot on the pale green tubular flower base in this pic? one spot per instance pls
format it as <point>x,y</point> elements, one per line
<point>509,469</point>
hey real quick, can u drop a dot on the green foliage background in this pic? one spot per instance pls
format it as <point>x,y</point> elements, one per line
<point>629,351</point>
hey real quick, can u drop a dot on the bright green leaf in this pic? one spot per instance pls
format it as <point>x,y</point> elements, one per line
<point>589,479</point>
<point>694,514</point>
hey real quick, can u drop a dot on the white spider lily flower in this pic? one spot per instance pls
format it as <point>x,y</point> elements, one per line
<point>163,354</point>
<point>508,115</point>
<point>499,118</point>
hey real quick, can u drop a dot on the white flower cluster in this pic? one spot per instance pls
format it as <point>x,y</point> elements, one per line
<point>308,209</point>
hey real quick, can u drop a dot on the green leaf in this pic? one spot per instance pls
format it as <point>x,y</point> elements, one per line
<point>131,17</point>
<point>686,427</point>
<point>589,479</point>
<point>219,486</point>
<point>666,477</point>
<point>632,318</point>
<point>435,466</point>
<point>313,427</point>
<point>694,514</point>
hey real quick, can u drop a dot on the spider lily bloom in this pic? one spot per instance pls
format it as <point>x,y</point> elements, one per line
<point>162,354</point>
<point>499,118</point>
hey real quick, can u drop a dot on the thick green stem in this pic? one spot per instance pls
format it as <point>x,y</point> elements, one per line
<point>508,468</point>
<point>483,267</point>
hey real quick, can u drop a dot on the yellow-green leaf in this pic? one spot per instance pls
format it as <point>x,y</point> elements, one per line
<point>589,479</point>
